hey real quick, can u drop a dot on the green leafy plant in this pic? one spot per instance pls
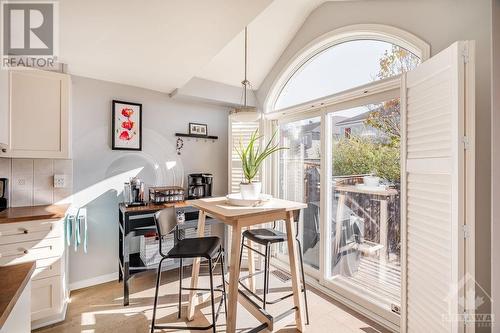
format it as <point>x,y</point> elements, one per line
<point>356,155</point>
<point>252,156</point>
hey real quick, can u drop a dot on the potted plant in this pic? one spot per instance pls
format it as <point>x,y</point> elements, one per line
<point>252,157</point>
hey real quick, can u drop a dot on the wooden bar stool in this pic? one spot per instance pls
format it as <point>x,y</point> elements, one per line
<point>209,248</point>
<point>268,237</point>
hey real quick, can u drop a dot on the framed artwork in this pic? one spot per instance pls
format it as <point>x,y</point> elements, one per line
<point>127,126</point>
<point>198,129</point>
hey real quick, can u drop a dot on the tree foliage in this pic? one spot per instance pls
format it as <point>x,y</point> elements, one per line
<point>386,117</point>
<point>357,155</point>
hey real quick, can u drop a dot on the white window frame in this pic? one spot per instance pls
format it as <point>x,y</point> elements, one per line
<point>349,33</point>
<point>369,93</point>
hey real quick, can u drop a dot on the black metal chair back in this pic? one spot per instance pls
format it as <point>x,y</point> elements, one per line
<point>166,223</point>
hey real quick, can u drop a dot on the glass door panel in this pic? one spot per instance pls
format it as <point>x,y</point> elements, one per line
<point>299,180</point>
<point>364,212</point>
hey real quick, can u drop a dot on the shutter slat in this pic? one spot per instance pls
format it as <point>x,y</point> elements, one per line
<point>429,191</point>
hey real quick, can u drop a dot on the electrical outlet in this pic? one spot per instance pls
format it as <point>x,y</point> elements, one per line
<point>59,181</point>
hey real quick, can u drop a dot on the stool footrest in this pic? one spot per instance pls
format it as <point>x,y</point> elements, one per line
<point>194,328</point>
<point>202,289</point>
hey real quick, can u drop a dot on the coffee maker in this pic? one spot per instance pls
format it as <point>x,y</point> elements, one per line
<point>3,193</point>
<point>199,185</point>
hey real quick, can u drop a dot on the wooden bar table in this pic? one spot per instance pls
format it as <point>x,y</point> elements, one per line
<point>238,218</point>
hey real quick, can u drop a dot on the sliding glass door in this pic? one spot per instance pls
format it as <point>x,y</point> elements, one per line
<point>364,201</point>
<point>344,163</point>
<point>299,180</point>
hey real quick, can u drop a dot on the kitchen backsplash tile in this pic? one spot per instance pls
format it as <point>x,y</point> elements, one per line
<point>43,181</point>
<point>43,197</point>
<point>22,166</point>
<point>31,181</point>
<point>22,182</point>
<point>43,166</point>
<point>5,167</point>
<point>22,198</point>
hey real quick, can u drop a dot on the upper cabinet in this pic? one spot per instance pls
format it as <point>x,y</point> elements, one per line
<point>36,116</point>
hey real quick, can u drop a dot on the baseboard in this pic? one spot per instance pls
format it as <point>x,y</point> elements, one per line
<point>93,281</point>
<point>50,320</point>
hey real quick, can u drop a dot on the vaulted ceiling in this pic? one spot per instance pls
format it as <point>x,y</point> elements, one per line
<point>162,44</point>
<point>268,36</point>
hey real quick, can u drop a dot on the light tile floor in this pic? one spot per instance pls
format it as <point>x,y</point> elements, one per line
<point>99,309</point>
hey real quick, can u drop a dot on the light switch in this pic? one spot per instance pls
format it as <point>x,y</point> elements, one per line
<point>59,181</point>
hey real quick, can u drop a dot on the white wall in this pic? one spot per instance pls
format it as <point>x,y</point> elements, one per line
<point>99,172</point>
<point>440,23</point>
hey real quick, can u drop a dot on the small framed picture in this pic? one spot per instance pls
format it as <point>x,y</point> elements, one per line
<point>127,126</point>
<point>198,129</point>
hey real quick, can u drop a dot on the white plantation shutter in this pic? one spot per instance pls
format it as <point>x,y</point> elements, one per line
<point>241,128</point>
<point>433,186</point>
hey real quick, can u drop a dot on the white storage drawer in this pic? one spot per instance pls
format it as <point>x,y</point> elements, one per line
<point>47,267</point>
<point>30,231</point>
<point>17,253</point>
<point>46,297</point>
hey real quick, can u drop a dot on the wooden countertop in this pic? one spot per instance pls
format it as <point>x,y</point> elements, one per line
<point>150,207</point>
<point>14,280</point>
<point>31,213</point>
<point>220,209</point>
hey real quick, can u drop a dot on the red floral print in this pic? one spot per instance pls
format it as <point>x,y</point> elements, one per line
<point>124,136</point>
<point>127,112</point>
<point>129,124</point>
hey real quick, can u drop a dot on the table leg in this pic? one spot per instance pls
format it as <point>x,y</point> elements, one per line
<point>120,247</point>
<point>251,266</point>
<point>296,285</point>
<point>193,300</point>
<point>234,275</point>
<point>126,267</point>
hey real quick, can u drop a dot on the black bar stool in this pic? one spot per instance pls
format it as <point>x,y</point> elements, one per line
<point>268,237</point>
<point>187,248</point>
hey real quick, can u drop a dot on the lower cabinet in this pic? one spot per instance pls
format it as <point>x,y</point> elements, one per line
<point>46,297</point>
<point>42,242</point>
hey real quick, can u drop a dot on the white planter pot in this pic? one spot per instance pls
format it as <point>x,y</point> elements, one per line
<point>251,191</point>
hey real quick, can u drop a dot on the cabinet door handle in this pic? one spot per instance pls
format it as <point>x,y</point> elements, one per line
<point>25,251</point>
<point>25,231</point>
<point>4,150</point>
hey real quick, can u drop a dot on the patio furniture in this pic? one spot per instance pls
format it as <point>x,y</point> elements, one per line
<point>382,195</point>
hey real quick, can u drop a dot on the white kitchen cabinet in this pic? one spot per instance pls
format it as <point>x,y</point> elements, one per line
<point>41,241</point>
<point>4,111</point>
<point>37,115</point>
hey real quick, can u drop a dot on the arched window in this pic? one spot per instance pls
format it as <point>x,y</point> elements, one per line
<point>342,59</point>
<point>341,127</point>
<point>344,66</point>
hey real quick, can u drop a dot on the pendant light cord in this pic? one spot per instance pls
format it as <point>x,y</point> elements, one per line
<point>246,62</point>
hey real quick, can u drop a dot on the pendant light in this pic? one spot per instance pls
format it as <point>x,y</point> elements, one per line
<point>245,83</point>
